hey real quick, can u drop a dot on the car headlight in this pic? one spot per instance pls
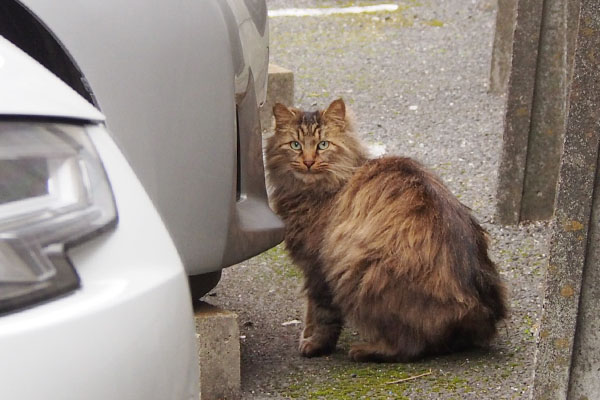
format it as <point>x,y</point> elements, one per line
<point>54,193</point>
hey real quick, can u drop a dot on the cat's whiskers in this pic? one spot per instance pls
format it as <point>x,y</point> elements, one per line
<point>321,166</point>
<point>297,165</point>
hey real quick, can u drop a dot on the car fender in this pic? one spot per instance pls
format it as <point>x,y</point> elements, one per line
<point>164,75</point>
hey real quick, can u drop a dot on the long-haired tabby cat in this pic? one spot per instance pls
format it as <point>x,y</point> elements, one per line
<point>382,244</point>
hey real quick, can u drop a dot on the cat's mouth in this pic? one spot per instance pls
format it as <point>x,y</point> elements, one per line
<point>311,171</point>
<point>307,176</point>
<point>307,170</point>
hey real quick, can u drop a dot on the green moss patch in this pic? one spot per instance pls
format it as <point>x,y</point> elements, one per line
<point>378,381</point>
<point>279,262</point>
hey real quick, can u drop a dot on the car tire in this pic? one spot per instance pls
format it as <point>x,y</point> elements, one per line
<point>202,284</point>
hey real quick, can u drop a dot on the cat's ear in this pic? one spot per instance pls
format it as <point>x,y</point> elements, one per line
<point>283,115</point>
<point>336,113</point>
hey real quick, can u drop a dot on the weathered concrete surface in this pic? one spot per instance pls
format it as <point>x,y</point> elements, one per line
<point>219,353</point>
<point>584,382</point>
<point>521,83</point>
<point>280,89</point>
<point>574,245</point>
<point>535,116</point>
<point>503,45</point>
<point>573,7</point>
<point>548,115</point>
<point>585,373</point>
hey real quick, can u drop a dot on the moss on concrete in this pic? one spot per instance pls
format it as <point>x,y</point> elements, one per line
<point>277,259</point>
<point>378,381</point>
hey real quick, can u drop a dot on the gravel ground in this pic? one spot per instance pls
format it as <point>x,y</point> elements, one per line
<point>417,81</point>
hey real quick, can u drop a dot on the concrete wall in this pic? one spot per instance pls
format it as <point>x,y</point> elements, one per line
<point>585,364</point>
<point>568,350</point>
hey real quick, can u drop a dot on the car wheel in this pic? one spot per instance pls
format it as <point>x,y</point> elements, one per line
<point>202,284</point>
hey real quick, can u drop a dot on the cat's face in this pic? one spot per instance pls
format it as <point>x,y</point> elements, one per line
<point>313,147</point>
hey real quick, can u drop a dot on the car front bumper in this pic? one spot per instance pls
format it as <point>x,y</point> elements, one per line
<point>128,332</point>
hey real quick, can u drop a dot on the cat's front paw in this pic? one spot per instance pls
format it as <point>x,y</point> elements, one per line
<point>360,353</point>
<point>308,348</point>
<point>372,352</point>
<point>366,352</point>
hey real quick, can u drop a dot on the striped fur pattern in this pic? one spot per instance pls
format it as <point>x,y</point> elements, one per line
<point>382,243</point>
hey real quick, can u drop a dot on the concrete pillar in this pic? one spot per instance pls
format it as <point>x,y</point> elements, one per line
<point>502,49</point>
<point>573,8</point>
<point>537,102</point>
<point>218,337</point>
<point>549,110</point>
<point>568,350</point>
<point>280,89</point>
<point>519,102</point>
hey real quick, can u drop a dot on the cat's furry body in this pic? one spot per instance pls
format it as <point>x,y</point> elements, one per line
<point>382,243</point>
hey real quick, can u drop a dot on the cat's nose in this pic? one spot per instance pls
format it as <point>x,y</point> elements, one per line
<point>308,163</point>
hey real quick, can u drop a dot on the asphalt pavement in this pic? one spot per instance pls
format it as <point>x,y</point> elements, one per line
<point>417,81</point>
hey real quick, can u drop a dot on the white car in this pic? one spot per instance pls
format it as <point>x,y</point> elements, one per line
<point>130,172</point>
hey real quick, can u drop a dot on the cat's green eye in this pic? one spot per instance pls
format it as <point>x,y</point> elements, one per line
<point>323,145</point>
<point>295,145</point>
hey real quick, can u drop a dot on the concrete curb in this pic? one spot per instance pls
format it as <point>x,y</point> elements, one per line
<point>218,338</point>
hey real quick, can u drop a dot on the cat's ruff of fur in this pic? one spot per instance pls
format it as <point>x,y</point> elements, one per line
<point>382,244</point>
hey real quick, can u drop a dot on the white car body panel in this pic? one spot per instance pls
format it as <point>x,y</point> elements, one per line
<point>168,76</point>
<point>128,332</point>
<point>175,81</point>
<point>34,91</point>
<point>140,66</point>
